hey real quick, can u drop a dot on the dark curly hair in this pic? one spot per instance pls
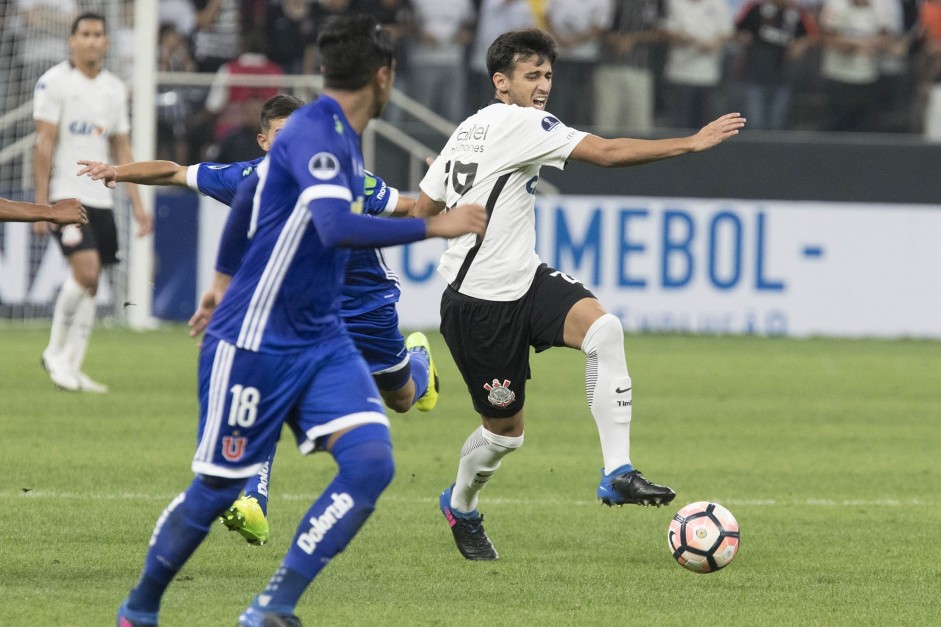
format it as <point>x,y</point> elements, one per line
<point>519,45</point>
<point>352,48</point>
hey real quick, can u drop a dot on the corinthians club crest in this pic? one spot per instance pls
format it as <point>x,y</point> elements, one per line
<point>500,393</point>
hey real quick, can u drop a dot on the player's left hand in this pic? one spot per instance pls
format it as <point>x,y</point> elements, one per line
<point>718,131</point>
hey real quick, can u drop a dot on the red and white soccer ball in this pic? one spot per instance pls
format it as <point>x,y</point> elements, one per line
<point>703,537</point>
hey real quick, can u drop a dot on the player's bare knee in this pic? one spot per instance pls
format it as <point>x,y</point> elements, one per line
<point>399,401</point>
<point>88,282</point>
<point>511,426</point>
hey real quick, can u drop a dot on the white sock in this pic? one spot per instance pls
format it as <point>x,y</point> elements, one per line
<point>76,343</point>
<point>608,386</point>
<point>480,458</point>
<point>63,316</point>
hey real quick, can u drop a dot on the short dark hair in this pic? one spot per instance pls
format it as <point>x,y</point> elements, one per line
<point>352,47</point>
<point>277,107</point>
<point>89,16</point>
<point>519,45</point>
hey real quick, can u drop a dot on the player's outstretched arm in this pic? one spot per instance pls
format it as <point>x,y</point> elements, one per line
<point>141,172</point>
<point>458,221</point>
<point>623,152</point>
<point>717,131</point>
<point>68,211</point>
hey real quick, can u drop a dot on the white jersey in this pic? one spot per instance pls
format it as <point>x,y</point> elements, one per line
<point>493,159</point>
<point>88,111</point>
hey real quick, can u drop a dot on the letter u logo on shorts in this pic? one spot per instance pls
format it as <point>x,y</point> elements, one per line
<point>233,448</point>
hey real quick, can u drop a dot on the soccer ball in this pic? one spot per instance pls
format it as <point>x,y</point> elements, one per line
<point>703,537</point>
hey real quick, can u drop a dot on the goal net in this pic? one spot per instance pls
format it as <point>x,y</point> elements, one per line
<point>34,38</point>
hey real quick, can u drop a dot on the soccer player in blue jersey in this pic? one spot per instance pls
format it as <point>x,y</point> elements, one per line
<point>403,368</point>
<point>276,349</point>
<point>216,180</point>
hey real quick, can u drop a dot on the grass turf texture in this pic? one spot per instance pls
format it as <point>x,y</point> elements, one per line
<point>825,451</point>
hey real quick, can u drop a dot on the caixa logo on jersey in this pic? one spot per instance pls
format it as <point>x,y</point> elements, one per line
<point>80,127</point>
<point>549,123</point>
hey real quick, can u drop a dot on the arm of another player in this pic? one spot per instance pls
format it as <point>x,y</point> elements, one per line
<point>338,227</point>
<point>121,149</point>
<point>425,207</point>
<point>47,134</point>
<point>208,302</point>
<point>232,244</point>
<point>432,210</point>
<point>68,211</point>
<point>238,227</point>
<point>140,172</point>
<point>623,152</point>
<point>383,200</point>
<point>404,206</point>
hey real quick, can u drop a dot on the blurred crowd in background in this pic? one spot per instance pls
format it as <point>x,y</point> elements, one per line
<point>624,65</point>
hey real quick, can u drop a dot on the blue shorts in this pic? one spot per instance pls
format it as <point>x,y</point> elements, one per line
<point>376,335</point>
<point>245,397</point>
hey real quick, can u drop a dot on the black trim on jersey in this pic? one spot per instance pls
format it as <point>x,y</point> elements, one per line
<point>472,253</point>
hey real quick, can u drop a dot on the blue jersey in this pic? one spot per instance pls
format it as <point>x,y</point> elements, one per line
<point>306,210</point>
<point>368,282</point>
<point>219,180</point>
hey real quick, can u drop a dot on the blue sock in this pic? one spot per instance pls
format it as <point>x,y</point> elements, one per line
<point>179,531</point>
<point>257,485</point>
<point>620,470</point>
<point>418,362</point>
<point>364,457</point>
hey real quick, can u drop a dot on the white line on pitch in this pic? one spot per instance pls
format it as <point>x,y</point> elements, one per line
<point>810,502</point>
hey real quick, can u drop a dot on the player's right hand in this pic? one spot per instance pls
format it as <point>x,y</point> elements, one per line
<point>69,211</point>
<point>203,314</point>
<point>99,171</point>
<point>457,221</point>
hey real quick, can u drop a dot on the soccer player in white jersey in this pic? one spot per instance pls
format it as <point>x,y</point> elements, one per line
<point>80,110</point>
<point>277,351</point>
<point>502,299</point>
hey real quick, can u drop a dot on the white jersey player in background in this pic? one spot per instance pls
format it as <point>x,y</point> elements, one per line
<point>80,110</point>
<point>502,299</point>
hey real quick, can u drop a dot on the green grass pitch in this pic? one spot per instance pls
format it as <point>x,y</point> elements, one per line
<point>827,452</point>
